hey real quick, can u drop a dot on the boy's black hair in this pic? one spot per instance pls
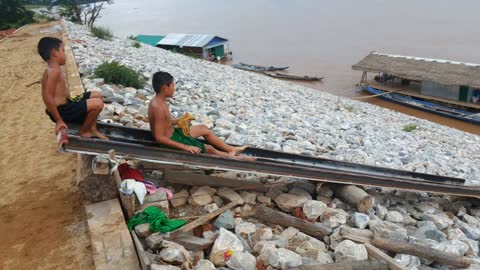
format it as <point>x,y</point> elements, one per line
<point>46,45</point>
<point>160,79</point>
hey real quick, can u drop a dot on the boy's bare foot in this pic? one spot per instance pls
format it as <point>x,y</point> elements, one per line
<point>92,134</point>
<point>237,150</point>
<point>246,158</point>
<point>100,135</point>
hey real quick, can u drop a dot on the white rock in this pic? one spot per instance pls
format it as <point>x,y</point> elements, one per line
<point>394,216</point>
<point>230,195</point>
<point>201,196</point>
<point>225,241</point>
<point>264,200</point>
<point>360,220</point>
<point>204,265</point>
<point>172,255</point>
<point>409,261</point>
<point>242,261</point>
<point>248,197</point>
<point>334,217</point>
<point>210,207</point>
<point>289,233</point>
<point>245,228</point>
<point>164,267</point>
<point>313,209</point>
<point>348,251</point>
<point>180,198</point>
<point>288,202</point>
<point>281,258</point>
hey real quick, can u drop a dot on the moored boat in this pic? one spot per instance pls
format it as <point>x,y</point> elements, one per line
<point>293,77</point>
<point>257,68</point>
<point>432,106</point>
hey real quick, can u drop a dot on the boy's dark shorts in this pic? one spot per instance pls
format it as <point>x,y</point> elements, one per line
<point>74,111</point>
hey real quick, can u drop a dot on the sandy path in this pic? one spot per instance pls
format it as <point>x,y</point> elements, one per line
<point>42,221</point>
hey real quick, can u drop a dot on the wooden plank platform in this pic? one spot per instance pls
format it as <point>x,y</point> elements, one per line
<point>112,245</point>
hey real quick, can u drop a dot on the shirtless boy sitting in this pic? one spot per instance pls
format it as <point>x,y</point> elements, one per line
<point>61,108</point>
<point>161,125</point>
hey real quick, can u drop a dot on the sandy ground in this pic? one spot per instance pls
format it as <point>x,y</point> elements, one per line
<point>42,220</point>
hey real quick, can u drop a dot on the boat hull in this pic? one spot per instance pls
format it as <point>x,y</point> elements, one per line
<point>426,106</point>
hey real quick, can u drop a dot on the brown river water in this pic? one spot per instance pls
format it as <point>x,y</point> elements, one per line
<point>317,37</point>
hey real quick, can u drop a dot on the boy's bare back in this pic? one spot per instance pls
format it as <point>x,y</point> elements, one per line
<point>53,82</point>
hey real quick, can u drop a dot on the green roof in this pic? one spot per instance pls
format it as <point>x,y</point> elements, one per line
<point>150,40</point>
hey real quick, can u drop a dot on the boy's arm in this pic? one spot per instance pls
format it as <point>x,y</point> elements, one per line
<point>48,95</point>
<point>161,138</point>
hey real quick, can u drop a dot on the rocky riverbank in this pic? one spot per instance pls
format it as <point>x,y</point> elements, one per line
<point>246,108</point>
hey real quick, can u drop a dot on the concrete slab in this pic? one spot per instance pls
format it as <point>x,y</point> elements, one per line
<point>112,244</point>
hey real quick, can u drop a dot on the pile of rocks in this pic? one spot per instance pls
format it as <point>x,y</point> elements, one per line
<point>247,108</point>
<point>239,241</point>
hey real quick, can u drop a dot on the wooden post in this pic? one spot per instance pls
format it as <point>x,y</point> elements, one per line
<point>354,196</point>
<point>272,216</point>
<point>128,201</point>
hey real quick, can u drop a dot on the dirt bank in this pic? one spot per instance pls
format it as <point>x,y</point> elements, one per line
<point>43,222</point>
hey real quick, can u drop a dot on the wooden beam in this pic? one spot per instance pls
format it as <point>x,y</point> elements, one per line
<point>354,196</point>
<point>276,217</point>
<point>357,265</point>
<point>202,220</point>
<point>142,256</point>
<point>194,179</point>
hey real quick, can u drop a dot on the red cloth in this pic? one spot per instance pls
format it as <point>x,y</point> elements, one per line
<point>127,172</point>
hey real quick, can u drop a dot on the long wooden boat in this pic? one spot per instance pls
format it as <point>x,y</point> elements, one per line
<point>293,77</point>
<point>436,107</point>
<point>257,68</point>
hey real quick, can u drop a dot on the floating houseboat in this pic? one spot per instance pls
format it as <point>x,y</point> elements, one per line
<point>448,88</point>
<point>208,47</point>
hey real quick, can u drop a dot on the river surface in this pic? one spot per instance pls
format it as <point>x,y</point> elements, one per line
<point>317,37</point>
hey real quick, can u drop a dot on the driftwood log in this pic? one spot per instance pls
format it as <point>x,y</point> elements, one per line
<point>276,217</point>
<point>357,265</point>
<point>421,251</point>
<point>354,196</point>
<point>408,248</point>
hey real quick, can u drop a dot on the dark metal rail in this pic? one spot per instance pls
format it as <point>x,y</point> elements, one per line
<point>144,137</point>
<point>145,152</point>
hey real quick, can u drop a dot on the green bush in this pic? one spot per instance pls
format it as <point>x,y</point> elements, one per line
<point>101,32</point>
<point>409,128</point>
<point>119,74</point>
<point>13,14</point>
<point>136,44</point>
